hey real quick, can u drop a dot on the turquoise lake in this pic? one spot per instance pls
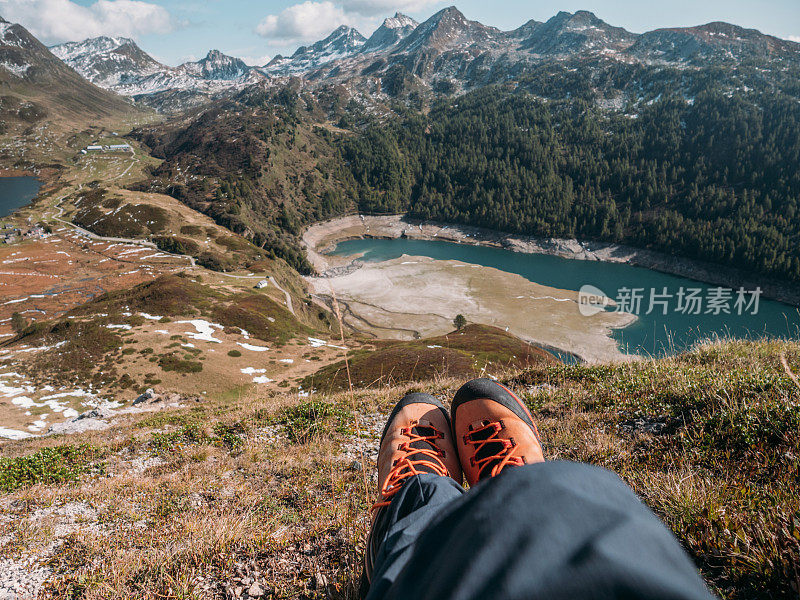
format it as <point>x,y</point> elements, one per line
<point>654,334</point>
<point>16,192</point>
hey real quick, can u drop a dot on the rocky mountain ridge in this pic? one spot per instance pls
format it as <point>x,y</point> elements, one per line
<point>446,54</point>
<point>34,83</point>
<point>118,64</point>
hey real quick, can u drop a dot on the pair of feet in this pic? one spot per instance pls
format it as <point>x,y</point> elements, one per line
<point>488,429</point>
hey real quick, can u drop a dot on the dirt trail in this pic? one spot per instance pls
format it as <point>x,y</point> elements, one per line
<point>285,293</point>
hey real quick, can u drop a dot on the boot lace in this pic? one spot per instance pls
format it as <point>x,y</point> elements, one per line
<point>413,460</point>
<point>492,450</point>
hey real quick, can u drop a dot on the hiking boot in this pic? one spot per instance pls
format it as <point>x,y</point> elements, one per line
<point>493,430</point>
<point>417,439</point>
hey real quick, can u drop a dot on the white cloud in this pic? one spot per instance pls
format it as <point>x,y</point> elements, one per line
<point>256,61</point>
<point>385,7</point>
<point>304,22</point>
<point>54,21</point>
<point>312,20</point>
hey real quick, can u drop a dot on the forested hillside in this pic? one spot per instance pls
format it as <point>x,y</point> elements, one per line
<point>260,166</point>
<point>714,177</point>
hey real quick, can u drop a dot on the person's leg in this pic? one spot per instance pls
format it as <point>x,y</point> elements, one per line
<point>552,530</point>
<point>419,473</point>
<point>396,529</point>
<point>530,529</point>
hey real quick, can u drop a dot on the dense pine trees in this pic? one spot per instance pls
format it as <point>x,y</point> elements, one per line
<point>715,177</point>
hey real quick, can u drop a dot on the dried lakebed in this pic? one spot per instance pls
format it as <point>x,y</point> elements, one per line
<point>411,297</point>
<point>394,287</point>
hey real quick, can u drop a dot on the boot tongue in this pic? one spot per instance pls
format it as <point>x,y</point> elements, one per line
<point>488,449</point>
<point>424,465</point>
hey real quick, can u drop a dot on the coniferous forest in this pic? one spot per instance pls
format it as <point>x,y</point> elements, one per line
<point>715,177</point>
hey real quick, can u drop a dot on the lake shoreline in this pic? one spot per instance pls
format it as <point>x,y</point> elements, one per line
<point>358,286</point>
<point>381,300</point>
<point>322,237</point>
<point>17,188</point>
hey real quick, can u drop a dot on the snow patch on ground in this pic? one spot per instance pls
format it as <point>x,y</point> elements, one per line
<point>205,330</point>
<point>252,371</point>
<point>252,347</point>
<point>13,434</point>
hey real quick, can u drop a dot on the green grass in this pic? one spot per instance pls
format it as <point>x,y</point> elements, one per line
<point>260,316</point>
<point>171,362</point>
<point>76,352</point>
<point>191,433</point>
<point>310,420</point>
<point>174,441</point>
<point>169,295</point>
<point>55,465</point>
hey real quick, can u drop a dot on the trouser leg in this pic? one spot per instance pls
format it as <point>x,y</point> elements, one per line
<point>555,530</point>
<point>421,500</point>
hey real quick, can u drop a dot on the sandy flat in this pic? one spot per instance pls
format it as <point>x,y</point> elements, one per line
<point>418,297</point>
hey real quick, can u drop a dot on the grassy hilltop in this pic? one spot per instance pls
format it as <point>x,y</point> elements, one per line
<point>269,493</point>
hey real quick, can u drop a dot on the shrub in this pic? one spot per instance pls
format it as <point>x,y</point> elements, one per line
<point>170,362</point>
<point>49,465</point>
<point>313,418</point>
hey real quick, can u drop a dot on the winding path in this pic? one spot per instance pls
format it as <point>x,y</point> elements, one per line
<point>285,293</point>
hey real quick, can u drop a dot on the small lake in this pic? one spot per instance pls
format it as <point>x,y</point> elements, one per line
<point>681,311</point>
<point>16,192</point>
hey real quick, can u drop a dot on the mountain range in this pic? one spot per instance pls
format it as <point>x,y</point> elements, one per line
<point>118,64</point>
<point>448,53</point>
<point>35,84</point>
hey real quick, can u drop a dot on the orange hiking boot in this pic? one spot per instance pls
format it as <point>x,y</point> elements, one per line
<point>417,439</point>
<point>493,430</point>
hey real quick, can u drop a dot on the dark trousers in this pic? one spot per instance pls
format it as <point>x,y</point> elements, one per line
<point>551,530</point>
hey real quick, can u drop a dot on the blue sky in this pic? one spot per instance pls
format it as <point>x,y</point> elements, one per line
<point>178,30</point>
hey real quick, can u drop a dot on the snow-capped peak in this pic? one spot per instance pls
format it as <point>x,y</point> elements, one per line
<point>71,50</point>
<point>393,30</point>
<point>108,61</point>
<point>216,66</point>
<point>399,21</point>
<point>343,42</point>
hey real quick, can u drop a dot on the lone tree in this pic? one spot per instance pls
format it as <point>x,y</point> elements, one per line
<point>18,322</point>
<point>459,322</point>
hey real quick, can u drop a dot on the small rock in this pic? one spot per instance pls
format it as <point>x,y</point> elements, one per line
<point>256,591</point>
<point>95,413</point>
<point>320,581</point>
<point>148,394</point>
